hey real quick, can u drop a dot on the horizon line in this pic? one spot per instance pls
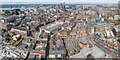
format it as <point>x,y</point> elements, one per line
<point>56,3</point>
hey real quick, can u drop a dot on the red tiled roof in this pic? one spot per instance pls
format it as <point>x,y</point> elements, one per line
<point>38,52</point>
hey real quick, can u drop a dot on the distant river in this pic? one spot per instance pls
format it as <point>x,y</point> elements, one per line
<point>22,8</point>
<point>13,8</point>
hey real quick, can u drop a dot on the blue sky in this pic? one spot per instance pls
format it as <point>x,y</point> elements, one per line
<point>58,1</point>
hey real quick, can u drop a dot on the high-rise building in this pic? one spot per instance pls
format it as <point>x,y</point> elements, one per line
<point>63,6</point>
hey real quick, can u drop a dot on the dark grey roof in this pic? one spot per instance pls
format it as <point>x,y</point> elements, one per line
<point>11,18</point>
<point>31,56</point>
<point>22,46</point>
<point>117,28</point>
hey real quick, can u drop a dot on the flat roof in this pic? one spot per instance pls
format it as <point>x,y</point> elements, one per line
<point>52,26</point>
<point>101,25</point>
<point>117,28</point>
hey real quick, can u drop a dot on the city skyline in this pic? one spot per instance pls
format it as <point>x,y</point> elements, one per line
<point>57,1</point>
<point>58,30</point>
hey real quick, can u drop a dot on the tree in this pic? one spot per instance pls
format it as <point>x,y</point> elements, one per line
<point>116,22</point>
<point>119,40</point>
